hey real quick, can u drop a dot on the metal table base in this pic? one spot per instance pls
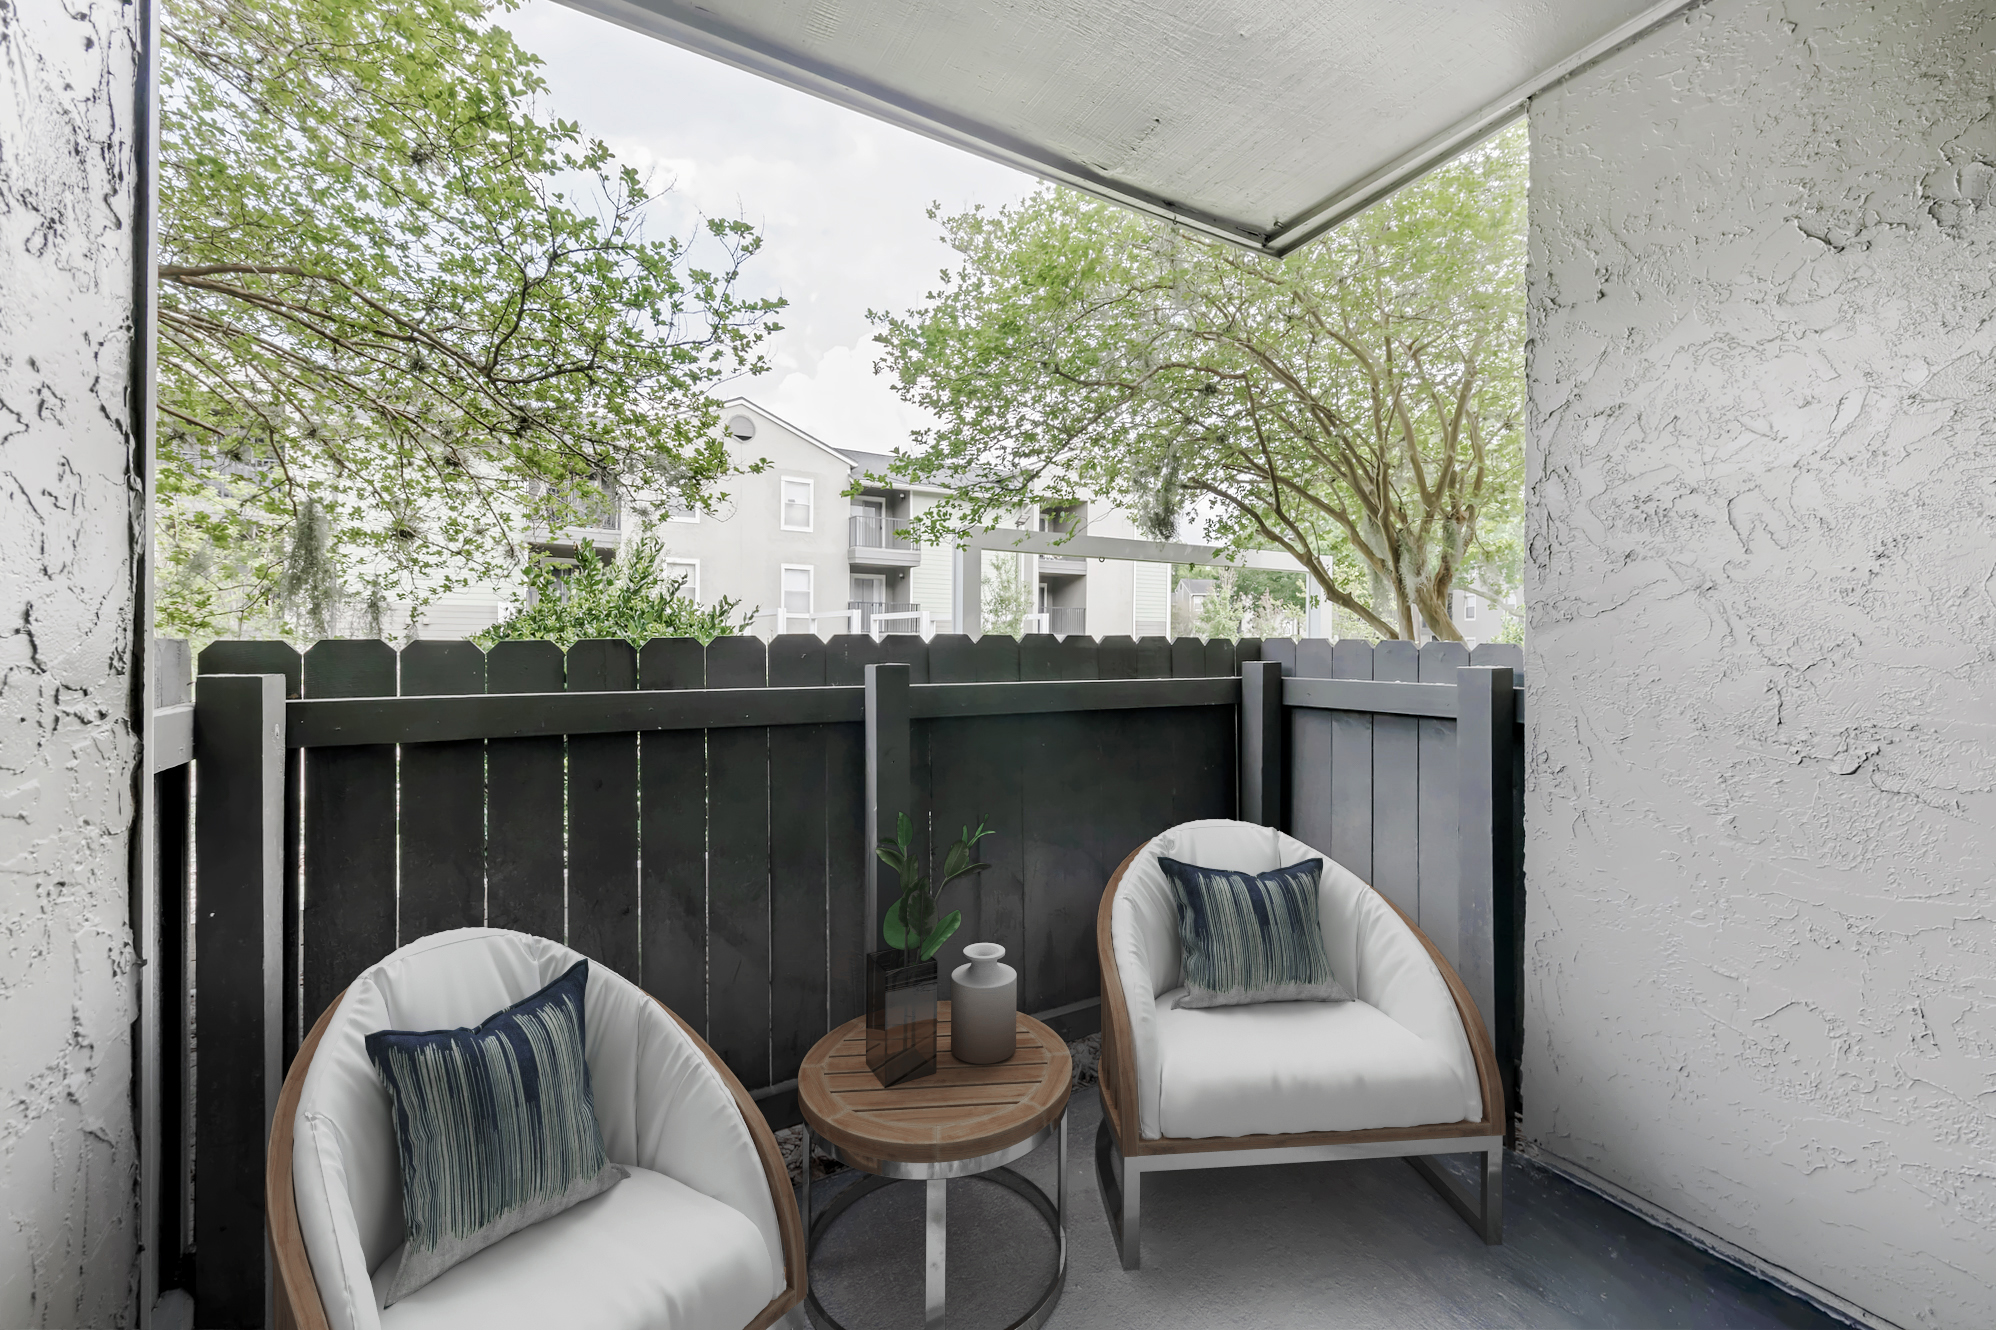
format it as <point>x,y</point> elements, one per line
<point>936,1177</point>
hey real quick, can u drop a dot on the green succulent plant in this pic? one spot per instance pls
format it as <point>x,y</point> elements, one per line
<point>911,923</point>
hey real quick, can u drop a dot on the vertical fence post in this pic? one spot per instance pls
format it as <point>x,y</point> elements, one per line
<point>239,840</point>
<point>887,777</point>
<point>1485,715</point>
<point>1261,756</point>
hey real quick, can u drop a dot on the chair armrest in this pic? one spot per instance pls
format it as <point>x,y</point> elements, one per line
<point>1130,975</point>
<point>296,1292</point>
<point>1118,1073</point>
<point>789,1222</point>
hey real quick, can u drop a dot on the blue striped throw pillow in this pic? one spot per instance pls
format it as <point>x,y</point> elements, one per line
<point>496,1127</point>
<point>1247,937</point>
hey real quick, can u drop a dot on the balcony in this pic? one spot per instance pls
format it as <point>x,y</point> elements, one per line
<point>599,522</point>
<point>475,798</point>
<point>880,617</point>
<point>1061,621</point>
<point>880,544</point>
<point>1060,565</point>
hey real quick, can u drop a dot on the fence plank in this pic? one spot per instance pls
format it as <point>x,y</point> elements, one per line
<point>798,878</point>
<point>526,856</point>
<point>1074,658</point>
<point>1441,860</point>
<point>998,659</point>
<point>738,870</point>
<point>1116,658</point>
<point>443,802</point>
<point>1247,649</point>
<point>1188,657</point>
<point>1039,655</point>
<point>1396,786</point>
<point>348,918</point>
<point>1507,654</point>
<point>847,655</point>
<point>976,772</point>
<point>1220,658</point>
<point>672,780</point>
<point>1351,766</point>
<point>907,649</point>
<point>603,817</point>
<point>1154,658</point>
<point>1311,777</point>
<point>233,657</point>
<point>952,659</point>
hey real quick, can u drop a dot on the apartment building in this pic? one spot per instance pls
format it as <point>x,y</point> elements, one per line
<point>801,554</point>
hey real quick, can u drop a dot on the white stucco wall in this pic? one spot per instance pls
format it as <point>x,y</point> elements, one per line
<point>1761,952</point>
<point>67,1149</point>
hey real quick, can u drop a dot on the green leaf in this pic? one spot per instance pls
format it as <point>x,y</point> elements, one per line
<point>894,931</point>
<point>949,924</point>
<point>966,871</point>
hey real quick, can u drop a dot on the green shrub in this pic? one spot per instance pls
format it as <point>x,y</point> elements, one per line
<point>630,599</point>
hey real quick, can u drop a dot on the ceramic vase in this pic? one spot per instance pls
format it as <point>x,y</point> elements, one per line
<point>984,1006</point>
<point>900,1016</point>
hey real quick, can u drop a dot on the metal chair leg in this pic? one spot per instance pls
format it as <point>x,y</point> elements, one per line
<point>1493,1197</point>
<point>1122,1198</point>
<point>1486,1213</point>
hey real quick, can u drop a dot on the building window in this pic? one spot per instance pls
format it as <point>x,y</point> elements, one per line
<point>675,512</point>
<point>1468,607</point>
<point>796,590</point>
<point>688,569</point>
<point>797,504</point>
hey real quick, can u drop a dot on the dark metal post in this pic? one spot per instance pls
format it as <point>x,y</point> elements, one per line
<point>1261,756</point>
<point>1485,717</point>
<point>887,780</point>
<point>239,840</point>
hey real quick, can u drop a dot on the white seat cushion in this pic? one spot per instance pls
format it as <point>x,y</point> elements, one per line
<point>647,1254</point>
<point>1296,1066</point>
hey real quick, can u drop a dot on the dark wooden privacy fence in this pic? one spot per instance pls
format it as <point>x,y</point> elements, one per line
<point>701,818</point>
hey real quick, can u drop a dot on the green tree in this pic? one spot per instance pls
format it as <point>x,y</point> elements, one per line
<point>1357,404</point>
<point>406,317</point>
<point>1248,602</point>
<point>1004,600</point>
<point>629,599</point>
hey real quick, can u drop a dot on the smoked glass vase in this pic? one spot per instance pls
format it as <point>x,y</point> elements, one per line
<point>900,1016</point>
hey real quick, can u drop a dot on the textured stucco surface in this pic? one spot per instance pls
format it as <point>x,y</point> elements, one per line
<point>67,1148</point>
<point>1761,933</point>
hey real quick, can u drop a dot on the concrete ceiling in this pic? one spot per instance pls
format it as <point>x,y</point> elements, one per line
<point>1263,123</point>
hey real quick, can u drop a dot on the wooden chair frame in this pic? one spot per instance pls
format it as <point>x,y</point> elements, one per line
<point>297,1292</point>
<point>1122,1156</point>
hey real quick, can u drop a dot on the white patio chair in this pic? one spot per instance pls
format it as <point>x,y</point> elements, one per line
<point>704,1233</point>
<point>1405,1068</point>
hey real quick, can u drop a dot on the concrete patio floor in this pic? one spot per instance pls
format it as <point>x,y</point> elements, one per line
<point>1345,1244</point>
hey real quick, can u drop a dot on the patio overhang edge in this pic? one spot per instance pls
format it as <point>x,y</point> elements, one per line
<point>708,33</point>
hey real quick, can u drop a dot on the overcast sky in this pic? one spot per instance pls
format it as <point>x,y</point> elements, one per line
<point>840,200</point>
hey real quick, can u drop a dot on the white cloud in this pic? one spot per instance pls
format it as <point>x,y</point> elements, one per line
<point>839,198</point>
<point>844,402</point>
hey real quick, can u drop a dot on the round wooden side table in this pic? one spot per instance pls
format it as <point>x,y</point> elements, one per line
<point>963,1121</point>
